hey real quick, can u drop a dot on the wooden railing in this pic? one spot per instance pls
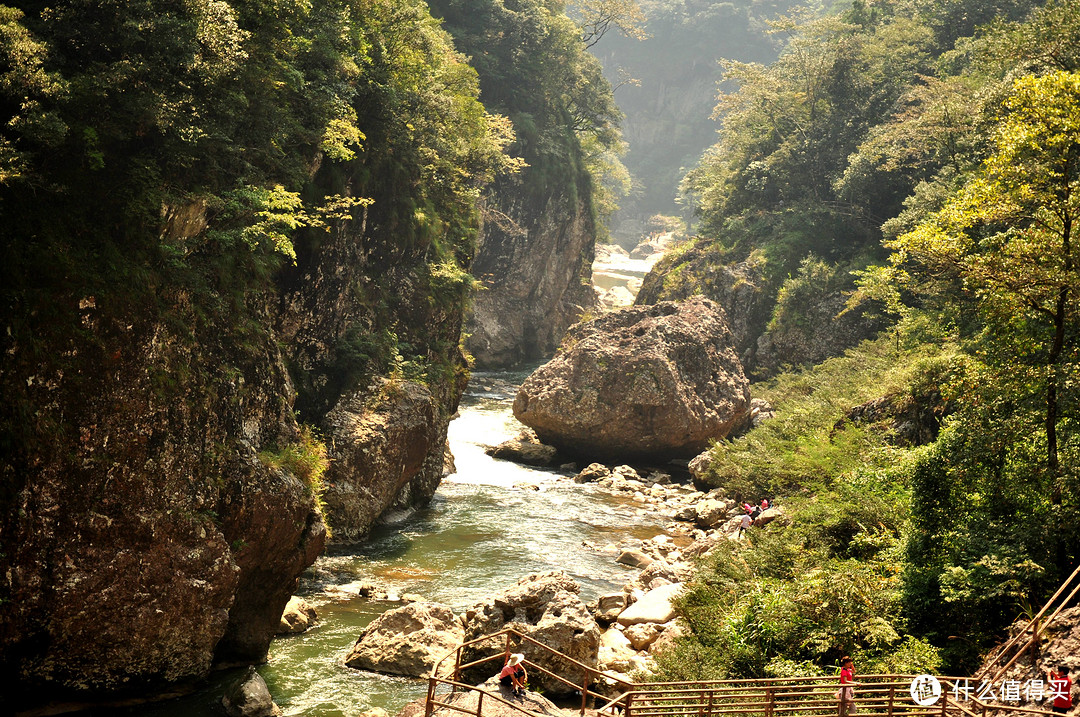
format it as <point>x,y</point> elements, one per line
<point>1028,636</point>
<point>877,695</point>
<point>885,695</point>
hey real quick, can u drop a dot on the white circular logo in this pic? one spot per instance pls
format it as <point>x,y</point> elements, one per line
<point>925,690</point>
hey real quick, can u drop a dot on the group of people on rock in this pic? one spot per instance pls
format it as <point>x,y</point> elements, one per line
<point>751,514</point>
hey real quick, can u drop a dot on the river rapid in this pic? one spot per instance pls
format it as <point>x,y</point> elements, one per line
<point>490,524</point>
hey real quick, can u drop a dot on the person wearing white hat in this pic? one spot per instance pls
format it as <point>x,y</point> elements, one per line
<point>513,674</point>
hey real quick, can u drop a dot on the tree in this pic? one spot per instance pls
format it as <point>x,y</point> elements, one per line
<point>1008,236</point>
<point>599,16</point>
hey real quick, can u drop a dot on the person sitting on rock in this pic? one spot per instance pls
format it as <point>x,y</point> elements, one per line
<point>744,524</point>
<point>513,674</point>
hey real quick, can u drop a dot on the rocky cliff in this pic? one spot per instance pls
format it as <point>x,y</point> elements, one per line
<point>224,230</point>
<point>145,534</point>
<point>376,356</point>
<point>534,261</point>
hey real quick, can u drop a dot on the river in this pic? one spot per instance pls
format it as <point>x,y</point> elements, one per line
<point>490,524</point>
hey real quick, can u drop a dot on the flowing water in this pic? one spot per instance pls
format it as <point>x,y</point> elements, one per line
<point>490,524</point>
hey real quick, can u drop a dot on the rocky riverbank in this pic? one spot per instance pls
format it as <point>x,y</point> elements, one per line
<point>617,633</point>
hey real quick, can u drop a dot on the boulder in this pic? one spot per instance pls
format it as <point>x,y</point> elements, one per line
<point>654,606</point>
<point>768,516</point>
<point>298,616</point>
<point>642,635</point>
<point>544,607</point>
<point>699,465</point>
<point>687,514</point>
<point>249,697</point>
<point>709,512</point>
<point>634,558</point>
<point>592,472</point>
<point>666,639</point>
<point>626,473</point>
<point>387,451</point>
<point>608,607</point>
<point>408,641</point>
<point>525,448</point>
<point>761,411</point>
<point>615,651</point>
<point>659,382</point>
<point>659,570</point>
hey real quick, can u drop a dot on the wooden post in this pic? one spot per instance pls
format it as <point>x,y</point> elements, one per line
<point>479,702</point>
<point>584,693</point>
<point>892,698</point>
<point>708,712</point>
<point>429,706</point>
<point>944,705</point>
<point>1034,641</point>
<point>770,701</point>
<point>629,705</point>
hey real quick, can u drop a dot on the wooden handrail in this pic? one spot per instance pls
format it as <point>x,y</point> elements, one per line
<point>1039,628</point>
<point>770,697</point>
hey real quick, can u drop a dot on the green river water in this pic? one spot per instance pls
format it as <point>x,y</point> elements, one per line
<point>488,525</point>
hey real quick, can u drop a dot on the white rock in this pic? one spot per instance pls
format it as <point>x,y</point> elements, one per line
<point>654,606</point>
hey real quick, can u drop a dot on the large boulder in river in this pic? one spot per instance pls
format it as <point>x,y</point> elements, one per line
<point>544,607</point>
<point>648,381</point>
<point>298,616</point>
<point>387,451</point>
<point>409,641</point>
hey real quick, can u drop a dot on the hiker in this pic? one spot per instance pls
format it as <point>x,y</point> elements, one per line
<point>744,524</point>
<point>764,505</point>
<point>1060,689</point>
<point>846,693</point>
<point>513,674</point>
<point>755,512</point>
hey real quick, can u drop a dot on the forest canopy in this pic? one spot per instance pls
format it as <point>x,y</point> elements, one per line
<point>928,151</point>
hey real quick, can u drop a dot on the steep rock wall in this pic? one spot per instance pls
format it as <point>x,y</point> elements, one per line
<point>143,537</point>
<point>534,261</point>
<point>376,354</point>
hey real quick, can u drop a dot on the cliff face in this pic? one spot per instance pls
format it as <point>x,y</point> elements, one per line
<point>143,537</point>
<point>534,261</point>
<point>377,354</point>
<point>187,294</point>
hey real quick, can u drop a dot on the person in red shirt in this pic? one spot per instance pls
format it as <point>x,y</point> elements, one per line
<point>846,693</point>
<point>1060,689</point>
<point>513,674</point>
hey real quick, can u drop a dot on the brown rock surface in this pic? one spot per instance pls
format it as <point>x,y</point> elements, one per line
<point>546,608</point>
<point>388,444</point>
<point>408,641</point>
<point>648,382</point>
<point>534,259</point>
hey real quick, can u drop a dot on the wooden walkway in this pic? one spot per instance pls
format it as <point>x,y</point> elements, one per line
<point>605,696</point>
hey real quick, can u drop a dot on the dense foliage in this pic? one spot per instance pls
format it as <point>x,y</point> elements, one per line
<point>155,150</point>
<point>933,148</point>
<point>534,68</point>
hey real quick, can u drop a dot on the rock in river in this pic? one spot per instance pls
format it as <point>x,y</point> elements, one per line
<point>656,381</point>
<point>408,641</point>
<point>546,608</point>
